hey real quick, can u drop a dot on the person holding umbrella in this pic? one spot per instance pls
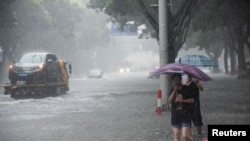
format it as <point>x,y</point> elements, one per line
<point>196,87</point>
<point>181,98</point>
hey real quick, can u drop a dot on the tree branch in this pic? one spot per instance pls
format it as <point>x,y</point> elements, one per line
<point>149,14</point>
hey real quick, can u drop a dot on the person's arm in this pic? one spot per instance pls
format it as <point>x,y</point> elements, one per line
<point>199,85</point>
<point>179,99</point>
<point>189,100</point>
<point>172,95</point>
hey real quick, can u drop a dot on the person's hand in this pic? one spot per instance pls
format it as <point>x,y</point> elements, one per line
<point>175,89</point>
<point>178,98</point>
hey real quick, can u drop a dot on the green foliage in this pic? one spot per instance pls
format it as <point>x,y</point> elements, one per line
<point>206,32</point>
<point>220,21</point>
<point>214,14</point>
<point>8,20</point>
<point>121,11</point>
<point>142,12</point>
<point>37,1</point>
<point>44,17</point>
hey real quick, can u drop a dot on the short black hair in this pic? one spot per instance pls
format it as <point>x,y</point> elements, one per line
<point>176,75</point>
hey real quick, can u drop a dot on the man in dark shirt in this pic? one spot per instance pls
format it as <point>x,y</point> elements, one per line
<point>196,86</point>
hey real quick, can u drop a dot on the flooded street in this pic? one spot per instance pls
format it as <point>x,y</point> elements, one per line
<point>115,108</point>
<point>100,53</point>
<point>94,109</point>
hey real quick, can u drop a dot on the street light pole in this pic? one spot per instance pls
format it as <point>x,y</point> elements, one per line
<point>163,36</point>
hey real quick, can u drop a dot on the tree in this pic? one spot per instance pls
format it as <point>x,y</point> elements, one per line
<point>210,41</point>
<point>231,17</point>
<point>141,12</point>
<point>59,26</point>
<point>7,22</point>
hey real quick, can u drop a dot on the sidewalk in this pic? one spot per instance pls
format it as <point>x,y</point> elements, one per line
<point>225,100</point>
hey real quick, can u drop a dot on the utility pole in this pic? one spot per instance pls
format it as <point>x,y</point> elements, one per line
<point>163,36</point>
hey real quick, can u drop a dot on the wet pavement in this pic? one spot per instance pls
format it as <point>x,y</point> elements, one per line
<point>226,100</point>
<point>117,110</point>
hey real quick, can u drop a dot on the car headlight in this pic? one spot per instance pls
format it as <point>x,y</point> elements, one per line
<point>41,66</point>
<point>11,67</point>
<point>121,70</point>
<point>128,70</point>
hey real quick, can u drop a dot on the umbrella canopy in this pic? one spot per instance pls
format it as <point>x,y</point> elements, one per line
<point>197,60</point>
<point>181,68</point>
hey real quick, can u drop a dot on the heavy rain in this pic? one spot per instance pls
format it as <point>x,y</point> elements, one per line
<point>91,70</point>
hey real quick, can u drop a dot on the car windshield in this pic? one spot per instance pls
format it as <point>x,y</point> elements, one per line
<point>32,58</point>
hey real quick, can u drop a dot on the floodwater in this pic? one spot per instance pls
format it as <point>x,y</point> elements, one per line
<point>117,107</point>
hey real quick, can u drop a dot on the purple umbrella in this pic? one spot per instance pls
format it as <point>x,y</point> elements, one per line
<point>181,68</point>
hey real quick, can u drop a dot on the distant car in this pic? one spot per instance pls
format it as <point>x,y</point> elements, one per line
<point>95,73</point>
<point>35,68</point>
<point>126,69</point>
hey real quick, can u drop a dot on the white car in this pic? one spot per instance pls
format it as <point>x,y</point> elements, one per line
<point>95,73</point>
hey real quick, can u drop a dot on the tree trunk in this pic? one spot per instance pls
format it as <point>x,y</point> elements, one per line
<point>4,69</point>
<point>241,58</point>
<point>232,60</point>
<point>225,59</point>
<point>226,38</point>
